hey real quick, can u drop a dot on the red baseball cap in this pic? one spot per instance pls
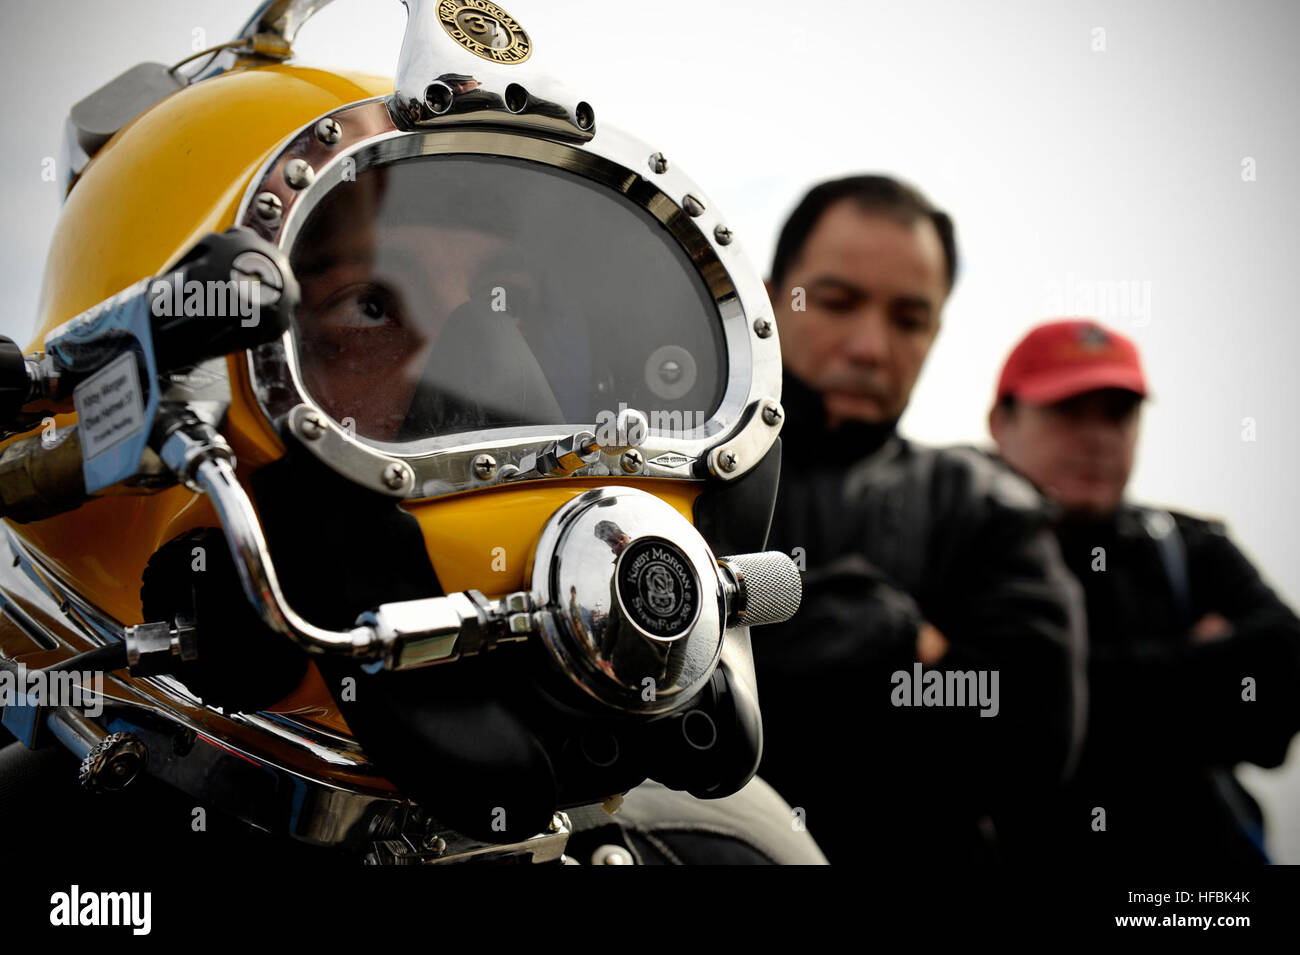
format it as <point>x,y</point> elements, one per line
<point>1065,358</point>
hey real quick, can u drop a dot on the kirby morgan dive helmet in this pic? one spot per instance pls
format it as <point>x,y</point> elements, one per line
<point>384,443</point>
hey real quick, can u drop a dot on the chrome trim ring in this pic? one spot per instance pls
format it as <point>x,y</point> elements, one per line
<point>282,196</point>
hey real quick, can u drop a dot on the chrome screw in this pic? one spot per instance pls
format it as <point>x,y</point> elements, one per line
<point>484,466</point>
<point>395,475</point>
<point>299,174</point>
<point>268,206</point>
<point>632,461</point>
<point>312,426</point>
<point>329,131</point>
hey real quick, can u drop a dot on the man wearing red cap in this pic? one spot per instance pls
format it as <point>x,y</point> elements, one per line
<point>1194,661</point>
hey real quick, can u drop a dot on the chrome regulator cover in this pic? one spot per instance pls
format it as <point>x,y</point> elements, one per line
<point>631,604</point>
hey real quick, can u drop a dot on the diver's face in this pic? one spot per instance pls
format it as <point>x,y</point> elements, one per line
<point>375,299</point>
<point>369,317</point>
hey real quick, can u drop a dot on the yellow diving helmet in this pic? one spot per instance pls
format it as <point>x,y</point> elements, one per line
<point>384,442</point>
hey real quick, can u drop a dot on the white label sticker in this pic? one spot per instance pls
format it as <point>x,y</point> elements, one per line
<point>109,410</point>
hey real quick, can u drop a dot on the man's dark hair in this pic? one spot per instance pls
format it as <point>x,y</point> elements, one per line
<point>871,194</point>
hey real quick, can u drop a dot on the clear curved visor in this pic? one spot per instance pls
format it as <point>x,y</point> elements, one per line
<point>451,294</point>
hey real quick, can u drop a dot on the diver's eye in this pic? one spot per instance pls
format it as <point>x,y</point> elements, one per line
<point>360,307</point>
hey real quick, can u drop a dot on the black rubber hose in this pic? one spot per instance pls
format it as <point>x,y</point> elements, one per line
<point>111,656</point>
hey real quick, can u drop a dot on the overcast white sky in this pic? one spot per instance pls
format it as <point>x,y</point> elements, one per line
<point>1077,145</point>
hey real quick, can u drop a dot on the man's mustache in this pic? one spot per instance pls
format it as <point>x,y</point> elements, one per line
<point>857,386</point>
<point>1095,469</point>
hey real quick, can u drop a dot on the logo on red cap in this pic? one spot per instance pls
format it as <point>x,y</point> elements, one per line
<point>1093,336</point>
<point>1062,359</point>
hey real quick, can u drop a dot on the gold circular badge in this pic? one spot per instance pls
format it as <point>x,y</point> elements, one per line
<point>485,30</point>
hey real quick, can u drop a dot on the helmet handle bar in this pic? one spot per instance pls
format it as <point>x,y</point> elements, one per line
<point>278,19</point>
<point>407,634</point>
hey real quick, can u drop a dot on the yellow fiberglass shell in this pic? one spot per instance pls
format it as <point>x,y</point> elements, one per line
<point>176,173</point>
<point>171,176</point>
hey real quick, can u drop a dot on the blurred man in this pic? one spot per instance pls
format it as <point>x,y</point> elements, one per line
<point>1194,661</point>
<point>929,681</point>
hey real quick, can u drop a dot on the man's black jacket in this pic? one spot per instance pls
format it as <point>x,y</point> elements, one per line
<point>892,534</point>
<point>1169,714</point>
